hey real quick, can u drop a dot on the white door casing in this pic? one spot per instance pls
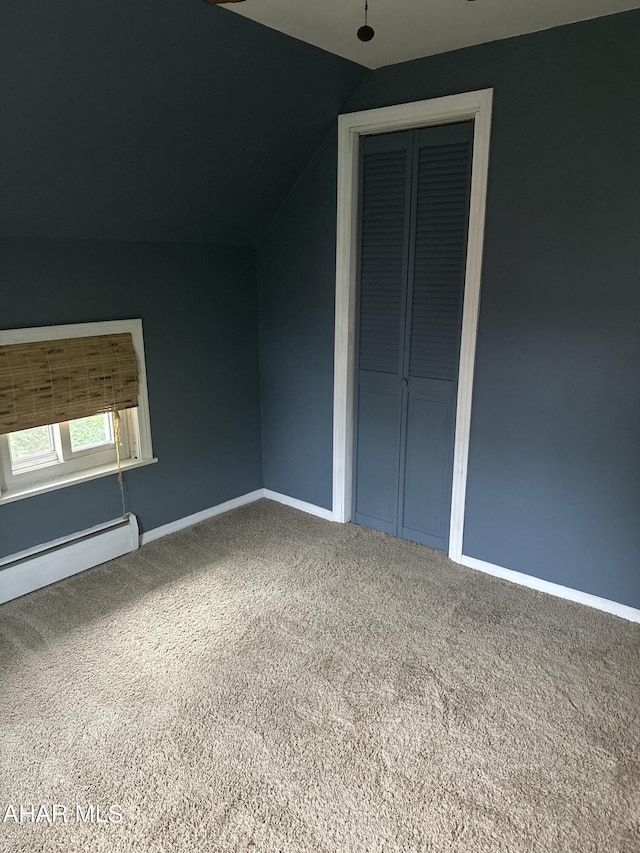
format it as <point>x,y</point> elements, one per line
<point>475,106</point>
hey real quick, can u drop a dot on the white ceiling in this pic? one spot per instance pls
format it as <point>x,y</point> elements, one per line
<point>408,29</point>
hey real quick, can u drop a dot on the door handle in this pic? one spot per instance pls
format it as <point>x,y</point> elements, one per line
<point>405,382</point>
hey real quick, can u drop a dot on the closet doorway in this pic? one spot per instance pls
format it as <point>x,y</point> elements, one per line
<point>414,190</point>
<point>391,497</point>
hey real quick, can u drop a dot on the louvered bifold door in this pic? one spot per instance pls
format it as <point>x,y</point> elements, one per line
<point>440,213</point>
<point>385,197</point>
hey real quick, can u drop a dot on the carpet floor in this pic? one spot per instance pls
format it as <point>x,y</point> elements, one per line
<point>270,681</point>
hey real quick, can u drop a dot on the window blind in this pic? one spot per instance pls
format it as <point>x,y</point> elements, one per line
<point>47,382</point>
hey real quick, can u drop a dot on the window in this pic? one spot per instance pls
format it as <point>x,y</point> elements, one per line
<point>52,455</point>
<point>37,454</point>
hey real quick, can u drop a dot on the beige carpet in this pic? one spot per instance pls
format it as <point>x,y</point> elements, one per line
<point>273,682</point>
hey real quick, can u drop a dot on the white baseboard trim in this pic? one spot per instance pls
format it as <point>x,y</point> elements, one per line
<point>312,509</point>
<point>43,565</point>
<point>37,567</point>
<point>622,610</point>
<point>203,515</point>
<point>234,503</point>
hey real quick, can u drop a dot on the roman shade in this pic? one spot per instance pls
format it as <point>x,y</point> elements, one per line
<point>47,382</point>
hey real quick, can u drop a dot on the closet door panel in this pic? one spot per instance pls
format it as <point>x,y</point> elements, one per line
<point>385,193</point>
<point>376,483</point>
<point>384,233</point>
<point>428,449</point>
<point>443,165</point>
<point>442,175</point>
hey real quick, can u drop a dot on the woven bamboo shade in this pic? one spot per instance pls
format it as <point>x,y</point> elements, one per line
<point>47,382</point>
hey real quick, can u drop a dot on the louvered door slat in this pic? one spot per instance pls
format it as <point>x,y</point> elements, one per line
<point>382,257</point>
<point>439,259</point>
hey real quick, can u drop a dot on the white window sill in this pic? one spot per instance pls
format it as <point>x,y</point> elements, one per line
<point>17,494</point>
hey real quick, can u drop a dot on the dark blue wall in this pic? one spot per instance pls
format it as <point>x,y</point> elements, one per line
<point>132,134</point>
<point>296,264</point>
<point>156,121</point>
<point>162,120</point>
<point>554,472</point>
<point>199,313</point>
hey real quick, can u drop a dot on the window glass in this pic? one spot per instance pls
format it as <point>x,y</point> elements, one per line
<point>28,444</point>
<point>91,432</point>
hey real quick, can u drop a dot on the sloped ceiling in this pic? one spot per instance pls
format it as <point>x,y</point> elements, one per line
<point>410,29</point>
<point>161,120</point>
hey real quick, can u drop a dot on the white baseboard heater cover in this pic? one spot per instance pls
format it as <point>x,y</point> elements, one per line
<point>45,564</point>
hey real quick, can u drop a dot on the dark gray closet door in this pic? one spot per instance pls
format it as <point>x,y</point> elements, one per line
<point>440,213</point>
<point>385,200</point>
<point>404,449</point>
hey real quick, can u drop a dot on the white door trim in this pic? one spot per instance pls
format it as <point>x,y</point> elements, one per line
<point>469,105</point>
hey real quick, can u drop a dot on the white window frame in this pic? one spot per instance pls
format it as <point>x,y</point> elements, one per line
<point>89,464</point>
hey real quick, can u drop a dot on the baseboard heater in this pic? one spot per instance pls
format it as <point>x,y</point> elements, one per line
<point>45,564</point>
